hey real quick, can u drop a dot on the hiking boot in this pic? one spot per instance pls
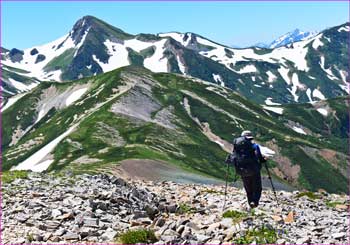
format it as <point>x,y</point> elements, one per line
<point>252,205</point>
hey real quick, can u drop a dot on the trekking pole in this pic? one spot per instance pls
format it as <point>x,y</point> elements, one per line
<point>227,171</point>
<point>273,188</point>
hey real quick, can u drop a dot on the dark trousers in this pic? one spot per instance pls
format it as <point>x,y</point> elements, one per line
<point>253,187</point>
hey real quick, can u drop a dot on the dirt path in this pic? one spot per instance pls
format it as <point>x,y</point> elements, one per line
<point>152,170</point>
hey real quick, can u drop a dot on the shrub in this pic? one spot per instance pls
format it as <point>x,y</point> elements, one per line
<point>9,176</point>
<point>235,215</point>
<point>137,236</point>
<point>263,235</point>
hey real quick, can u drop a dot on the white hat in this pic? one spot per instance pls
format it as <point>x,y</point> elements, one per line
<point>247,134</point>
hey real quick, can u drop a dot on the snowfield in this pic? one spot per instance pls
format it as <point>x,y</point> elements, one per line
<point>277,110</point>
<point>317,93</point>
<point>247,69</point>
<point>21,86</point>
<point>76,95</point>
<point>157,62</point>
<point>35,162</point>
<point>12,101</point>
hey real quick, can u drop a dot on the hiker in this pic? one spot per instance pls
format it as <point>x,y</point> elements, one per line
<point>247,159</point>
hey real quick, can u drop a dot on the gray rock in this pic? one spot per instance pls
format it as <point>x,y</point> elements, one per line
<point>171,208</point>
<point>91,222</point>
<point>180,229</point>
<point>160,222</point>
<point>60,232</point>
<point>338,235</point>
<point>22,218</point>
<point>281,241</point>
<point>202,238</point>
<point>213,227</point>
<point>71,236</point>
<point>51,225</point>
<point>109,235</point>
<point>55,213</point>
<point>303,240</point>
<point>193,226</point>
<point>226,222</point>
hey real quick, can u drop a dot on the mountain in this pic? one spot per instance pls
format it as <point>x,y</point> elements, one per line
<point>94,124</point>
<point>308,71</point>
<point>292,37</point>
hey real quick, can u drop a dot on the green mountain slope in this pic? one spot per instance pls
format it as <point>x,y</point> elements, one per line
<point>132,113</point>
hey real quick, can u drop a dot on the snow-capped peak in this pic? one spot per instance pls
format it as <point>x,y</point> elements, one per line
<point>292,37</point>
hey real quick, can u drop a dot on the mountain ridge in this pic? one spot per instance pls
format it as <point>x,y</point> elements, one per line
<point>132,113</point>
<point>256,73</point>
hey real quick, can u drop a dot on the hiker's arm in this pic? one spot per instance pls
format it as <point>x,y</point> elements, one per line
<point>260,156</point>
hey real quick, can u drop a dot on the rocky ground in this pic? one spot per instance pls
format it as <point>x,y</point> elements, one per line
<point>97,209</point>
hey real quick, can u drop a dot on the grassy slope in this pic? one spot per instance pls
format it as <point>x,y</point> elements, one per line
<point>186,146</point>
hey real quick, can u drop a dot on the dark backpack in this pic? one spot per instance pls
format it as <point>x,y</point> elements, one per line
<point>244,158</point>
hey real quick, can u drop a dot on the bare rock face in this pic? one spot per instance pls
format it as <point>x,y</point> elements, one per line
<point>45,208</point>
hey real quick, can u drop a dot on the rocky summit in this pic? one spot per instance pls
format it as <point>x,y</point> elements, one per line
<point>45,208</point>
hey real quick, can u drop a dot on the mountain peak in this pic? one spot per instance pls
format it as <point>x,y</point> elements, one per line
<point>291,37</point>
<point>90,23</point>
<point>81,26</point>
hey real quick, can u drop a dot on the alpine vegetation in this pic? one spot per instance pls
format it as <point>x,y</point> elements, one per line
<point>110,137</point>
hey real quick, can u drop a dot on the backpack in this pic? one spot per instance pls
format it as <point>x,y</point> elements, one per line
<point>244,158</point>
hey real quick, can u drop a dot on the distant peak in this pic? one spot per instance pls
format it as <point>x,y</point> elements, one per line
<point>85,22</point>
<point>90,23</point>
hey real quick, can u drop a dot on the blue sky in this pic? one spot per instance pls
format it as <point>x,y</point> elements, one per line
<point>25,24</point>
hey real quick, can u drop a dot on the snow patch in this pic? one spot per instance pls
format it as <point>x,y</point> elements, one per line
<point>343,75</point>
<point>157,62</point>
<point>284,74</point>
<point>219,143</point>
<point>76,95</point>
<point>21,86</point>
<point>323,111</point>
<point>11,101</point>
<point>34,162</point>
<point>344,28</point>
<point>317,42</point>
<point>308,93</point>
<point>295,85</point>
<point>137,45</point>
<point>247,69</point>
<point>179,37</point>
<point>329,72</point>
<point>41,114</point>
<point>181,65</point>
<point>299,130</point>
<point>277,110</point>
<point>268,101</point>
<point>271,77</point>
<point>317,93</point>
<point>118,56</point>
<point>346,88</point>
<point>207,42</point>
<point>218,79</point>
